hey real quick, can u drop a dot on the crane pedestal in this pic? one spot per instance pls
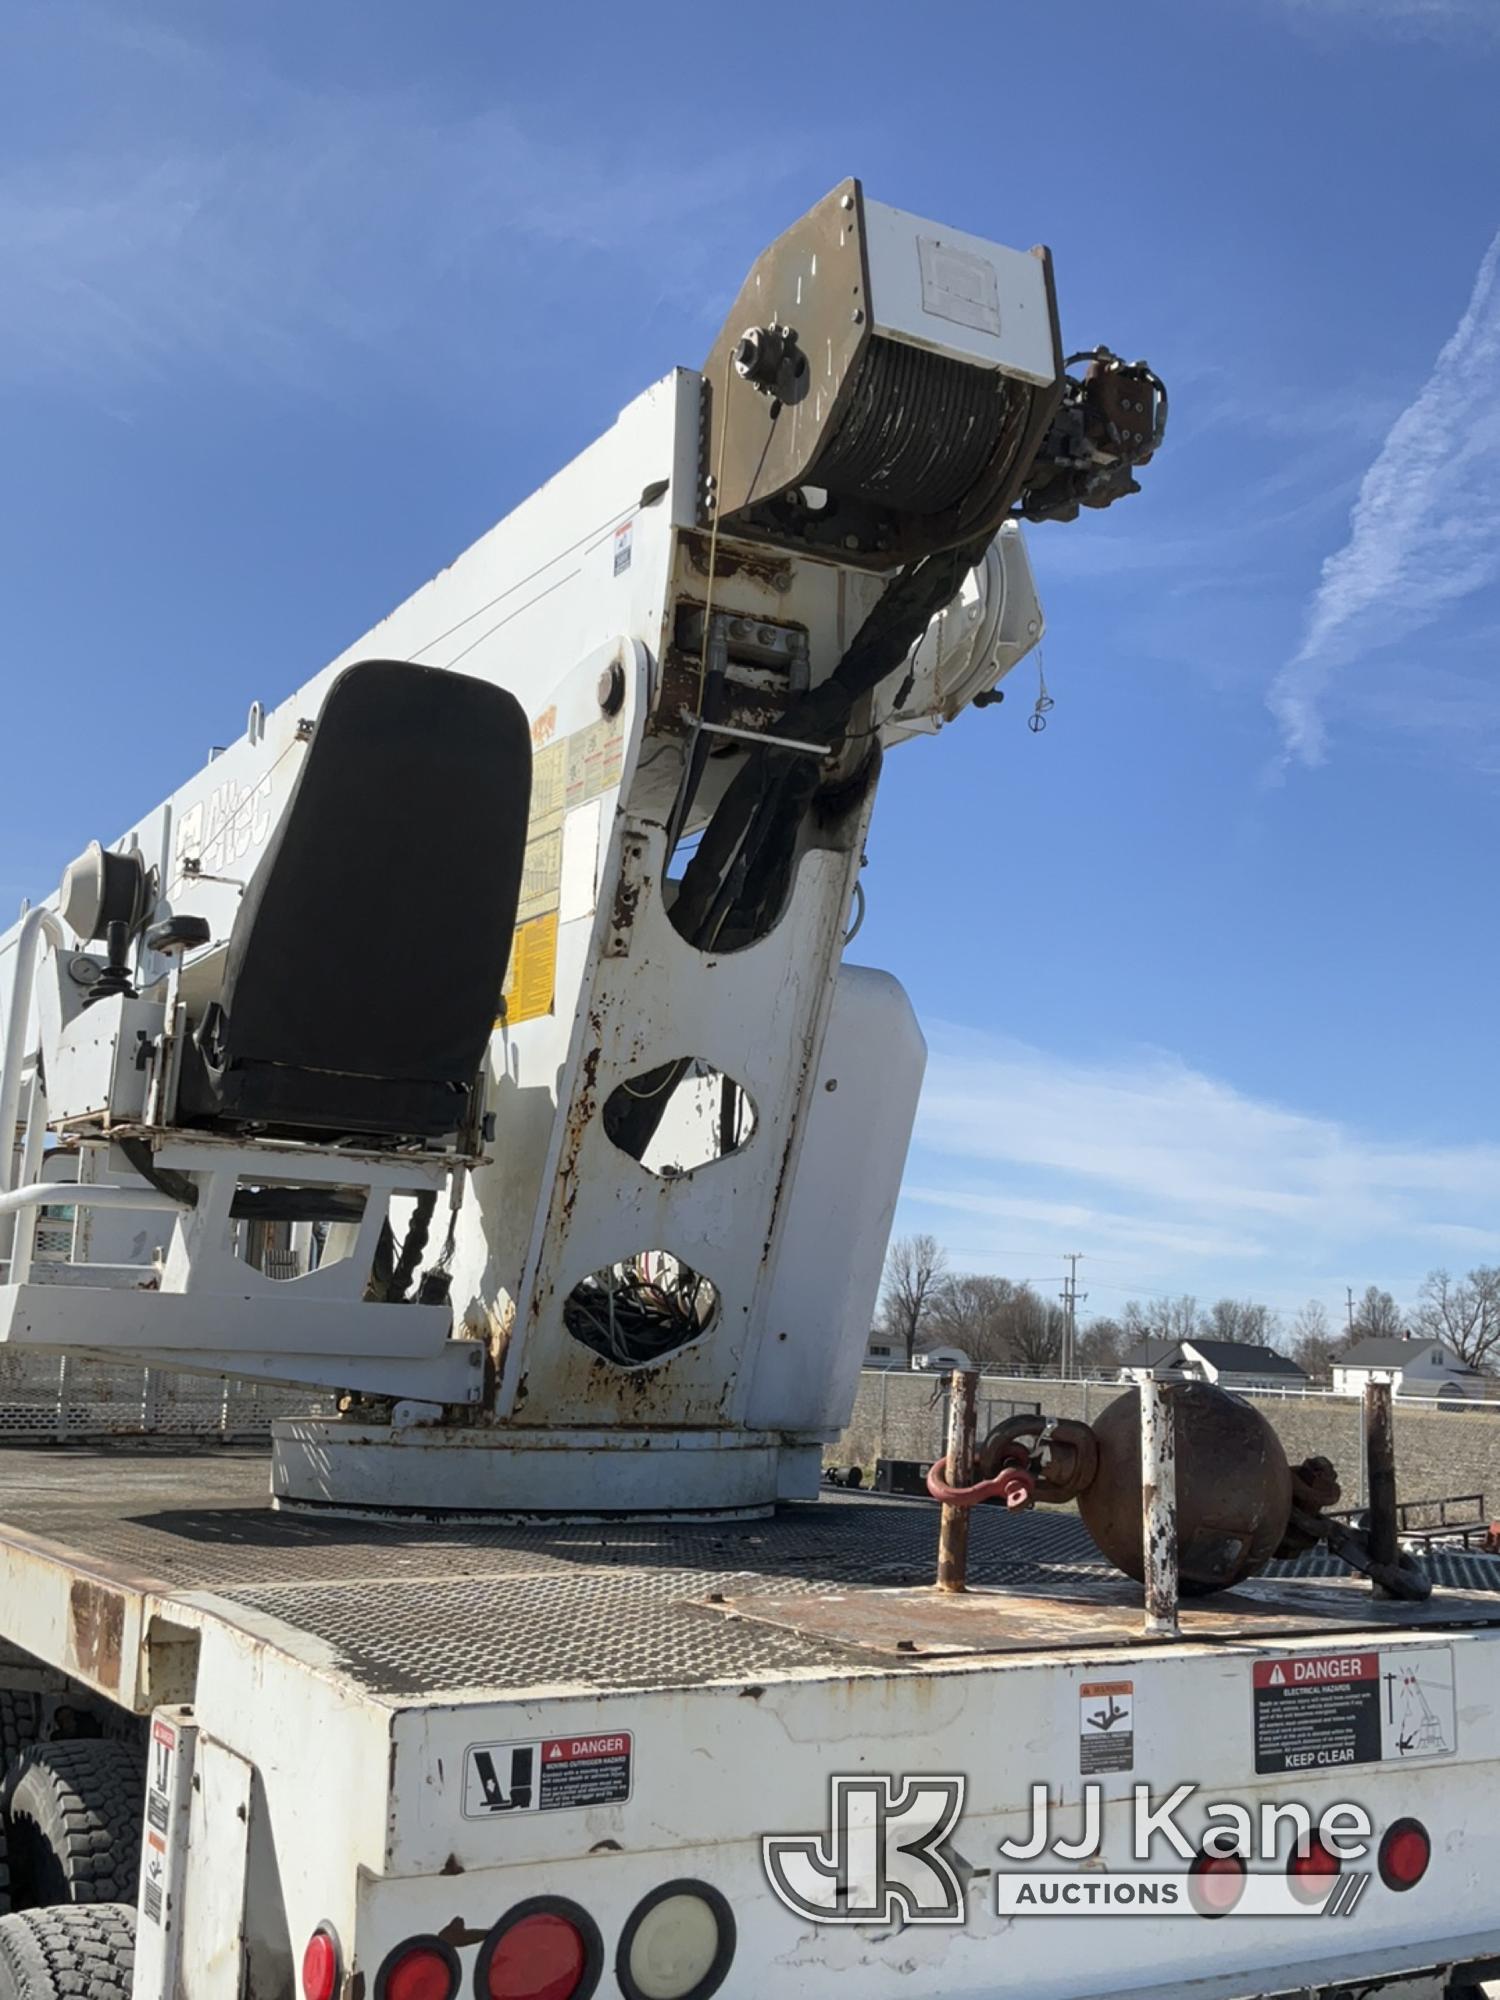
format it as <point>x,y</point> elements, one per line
<point>484,1471</point>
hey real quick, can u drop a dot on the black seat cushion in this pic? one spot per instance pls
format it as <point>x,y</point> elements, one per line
<point>365,965</point>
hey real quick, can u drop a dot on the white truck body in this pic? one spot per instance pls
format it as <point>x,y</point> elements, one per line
<point>519,1549</point>
<point>337,1683</point>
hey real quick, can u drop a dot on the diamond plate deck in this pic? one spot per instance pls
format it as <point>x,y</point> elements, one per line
<point>436,1612</point>
<point>1102,1610</point>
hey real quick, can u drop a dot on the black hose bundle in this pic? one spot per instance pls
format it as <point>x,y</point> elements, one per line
<point>744,859</point>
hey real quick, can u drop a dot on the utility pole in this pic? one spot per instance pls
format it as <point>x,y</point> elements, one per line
<point>1071,1296</point>
<point>1349,1297</point>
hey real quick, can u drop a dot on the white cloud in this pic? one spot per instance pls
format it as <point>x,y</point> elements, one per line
<point>1425,530</point>
<point>1410,17</point>
<point>266,228</point>
<point>1174,1180</point>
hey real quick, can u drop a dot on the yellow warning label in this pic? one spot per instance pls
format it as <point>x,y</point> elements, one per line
<point>565,773</point>
<point>596,757</point>
<point>549,769</point>
<point>541,876</point>
<point>531,978</point>
<point>541,872</point>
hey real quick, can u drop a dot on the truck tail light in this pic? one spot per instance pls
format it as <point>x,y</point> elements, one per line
<point>1405,1850</point>
<point>1215,1883</point>
<point>321,1964</point>
<point>677,1944</point>
<point>544,1949</point>
<point>423,1968</point>
<point>1310,1873</point>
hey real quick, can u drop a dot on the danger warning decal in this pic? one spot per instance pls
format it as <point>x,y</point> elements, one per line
<point>546,1774</point>
<point>160,1773</point>
<point>1320,1710</point>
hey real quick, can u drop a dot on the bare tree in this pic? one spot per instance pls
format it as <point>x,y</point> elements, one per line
<point>914,1268</point>
<point>1465,1314</point>
<point>1036,1332</point>
<point>998,1323</point>
<point>1377,1316</point>
<point>1101,1346</point>
<point>1242,1320</point>
<point>1161,1319</point>
<point>970,1311</point>
<point>1313,1343</point>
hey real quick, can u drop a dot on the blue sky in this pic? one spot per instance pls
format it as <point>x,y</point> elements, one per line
<point>298,300</point>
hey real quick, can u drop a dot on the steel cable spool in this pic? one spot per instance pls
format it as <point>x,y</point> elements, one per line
<point>919,432</point>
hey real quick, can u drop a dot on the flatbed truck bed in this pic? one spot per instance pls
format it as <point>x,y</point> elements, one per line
<point>333,1681</point>
<point>124,1535</point>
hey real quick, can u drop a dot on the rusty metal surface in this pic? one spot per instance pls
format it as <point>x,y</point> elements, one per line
<point>1234,1487</point>
<point>96,1633</point>
<point>1380,1469</point>
<point>928,1624</point>
<point>953,1521</point>
<point>1158,1504</point>
<point>1063,1454</point>
<point>429,1611</point>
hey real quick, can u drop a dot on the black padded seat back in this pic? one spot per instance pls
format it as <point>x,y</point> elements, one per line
<point>365,965</point>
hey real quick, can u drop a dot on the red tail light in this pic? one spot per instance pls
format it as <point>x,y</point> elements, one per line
<point>320,1965</point>
<point>424,1968</point>
<point>1404,1854</point>
<point>1215,1884</point>
<point>543,1949</point>
<point>1311,1873</point>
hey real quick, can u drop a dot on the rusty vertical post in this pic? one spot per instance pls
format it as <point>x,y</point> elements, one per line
<point>1380,1472</point>
<point>1158,1505</point>
<point>953,1528</point>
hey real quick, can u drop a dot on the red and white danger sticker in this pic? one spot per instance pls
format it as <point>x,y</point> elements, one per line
<point>548,1774</point>
<point>1318,1671</point>
<point>1316,1711</point>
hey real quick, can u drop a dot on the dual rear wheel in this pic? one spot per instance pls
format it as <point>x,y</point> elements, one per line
<point>70,1840</point>
<point>78,1951</point>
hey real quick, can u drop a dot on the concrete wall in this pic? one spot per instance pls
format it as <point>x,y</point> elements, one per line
<point>1438,1453</point>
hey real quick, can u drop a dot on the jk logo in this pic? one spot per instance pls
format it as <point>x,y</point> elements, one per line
<point>879,1862</point>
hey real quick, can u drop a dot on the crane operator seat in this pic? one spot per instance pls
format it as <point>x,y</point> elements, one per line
<point>364,969</point>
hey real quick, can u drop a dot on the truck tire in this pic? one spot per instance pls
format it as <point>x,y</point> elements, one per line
<point>68,1954</point>
<point>20,1725</point>
<point>73,1823</point>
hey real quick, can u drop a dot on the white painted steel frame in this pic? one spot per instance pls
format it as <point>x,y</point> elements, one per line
<point>545,605</point>
<point>387,1853</point>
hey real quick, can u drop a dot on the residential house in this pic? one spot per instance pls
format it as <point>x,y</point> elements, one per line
<point>883,1351</point>
<point>1416,1367</point>
<point>1231,1364</point>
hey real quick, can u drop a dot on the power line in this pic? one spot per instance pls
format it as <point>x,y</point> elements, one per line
<point>1071,1297</point>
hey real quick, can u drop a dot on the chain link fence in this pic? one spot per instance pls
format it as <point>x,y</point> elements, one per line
<point>1440,1450</point>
